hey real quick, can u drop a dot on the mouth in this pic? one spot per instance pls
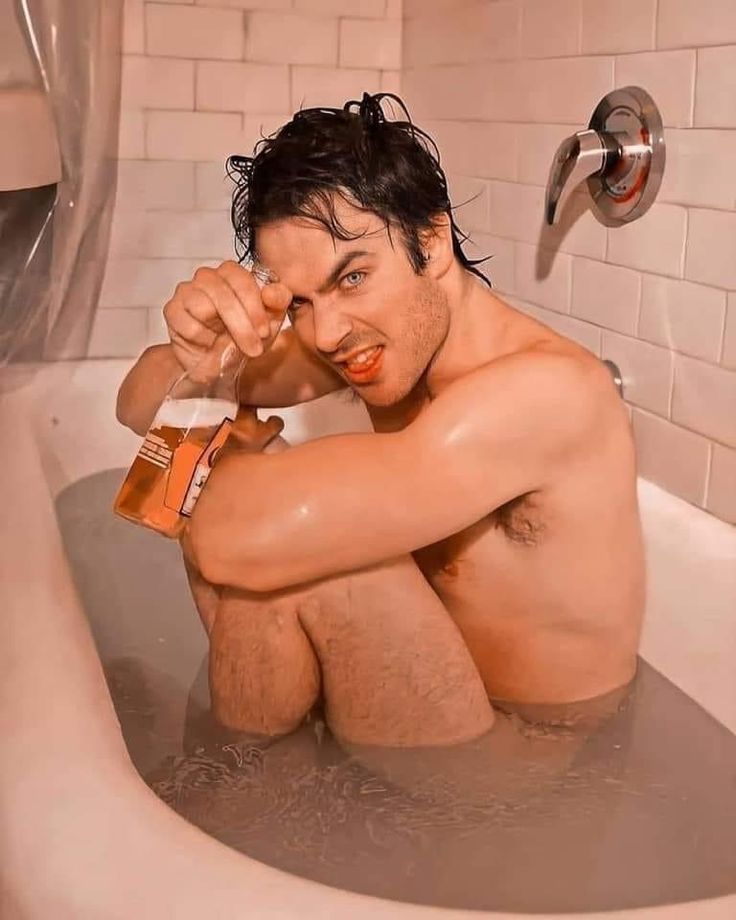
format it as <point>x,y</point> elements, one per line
<point>364,366</point>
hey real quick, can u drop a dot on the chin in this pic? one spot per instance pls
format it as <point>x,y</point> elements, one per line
<point>380,400</point>
<point>382,395</point>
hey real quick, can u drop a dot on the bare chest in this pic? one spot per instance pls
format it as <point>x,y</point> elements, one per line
<point>519,527</point>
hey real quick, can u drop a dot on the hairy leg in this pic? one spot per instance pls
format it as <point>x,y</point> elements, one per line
<point>263,673</point>
<point>392,665</point>
<point>395,669</point>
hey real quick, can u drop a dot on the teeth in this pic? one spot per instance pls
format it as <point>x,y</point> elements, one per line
<point>363,357</point>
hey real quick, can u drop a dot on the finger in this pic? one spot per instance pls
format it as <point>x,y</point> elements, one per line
<point>246,289</point>
<point>235,314</point>
<point>190,353</point>
<point>256,438</point>
<point>183,323</point>
<point>275,424</point>
<point>199,303</point>
<point>276,297</point>
<point>246,415</point>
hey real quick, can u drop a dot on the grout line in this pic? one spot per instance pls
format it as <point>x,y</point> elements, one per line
<point>144,5</point>
<point>144,123</point>
<point>708,469</point>
<point>290,74</point>
<point>671,395</point>
<point>722,342</point>
<point>338,49</point>
<point>685,240</point>
<point>693,93</point>
<point>655,26</point>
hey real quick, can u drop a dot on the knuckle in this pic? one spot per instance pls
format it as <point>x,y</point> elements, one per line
<point>203,273</point>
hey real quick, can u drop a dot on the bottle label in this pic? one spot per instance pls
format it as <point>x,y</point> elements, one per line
<point>156,451</point>
<point>190,468</point>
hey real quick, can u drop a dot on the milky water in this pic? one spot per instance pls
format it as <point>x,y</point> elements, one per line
<point>628,803</point>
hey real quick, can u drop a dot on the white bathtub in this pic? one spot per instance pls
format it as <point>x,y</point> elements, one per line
<point>83,836</point>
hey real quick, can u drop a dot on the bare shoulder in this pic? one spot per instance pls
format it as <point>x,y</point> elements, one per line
<point>547,376</point>
<point>525,414</point>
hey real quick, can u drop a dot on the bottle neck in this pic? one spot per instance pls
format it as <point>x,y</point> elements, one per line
<point>223,361</point>
<point>215,376</point>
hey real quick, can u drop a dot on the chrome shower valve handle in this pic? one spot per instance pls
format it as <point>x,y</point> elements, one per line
<point>621,155</point>
<point>579,156</point>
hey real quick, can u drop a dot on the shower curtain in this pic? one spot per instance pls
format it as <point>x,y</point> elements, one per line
<point>54,235</point>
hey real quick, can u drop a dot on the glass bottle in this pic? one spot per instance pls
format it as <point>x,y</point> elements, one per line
<point>177,454</point>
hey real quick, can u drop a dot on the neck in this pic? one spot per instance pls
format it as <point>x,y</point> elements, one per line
<point>476,333</point>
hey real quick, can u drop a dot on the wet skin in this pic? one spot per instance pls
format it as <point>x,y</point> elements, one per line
<point>501,462</point>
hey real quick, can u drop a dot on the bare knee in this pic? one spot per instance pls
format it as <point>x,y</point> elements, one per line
<point>395,669</point>
<point>263,674</point>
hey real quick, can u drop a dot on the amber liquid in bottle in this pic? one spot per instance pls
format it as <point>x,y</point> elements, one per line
<point>175,459</point>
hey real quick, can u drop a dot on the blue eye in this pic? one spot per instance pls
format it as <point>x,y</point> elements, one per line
<point>354,279</point>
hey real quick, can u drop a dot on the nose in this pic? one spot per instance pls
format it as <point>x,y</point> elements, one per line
<point>330,326</point>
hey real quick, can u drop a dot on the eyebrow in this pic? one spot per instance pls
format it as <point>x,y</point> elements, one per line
<point>340,268</point>
<point>260,270</point>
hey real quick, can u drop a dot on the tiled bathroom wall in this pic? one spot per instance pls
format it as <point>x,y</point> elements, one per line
<point>499,83</point>
<point>202,80</point>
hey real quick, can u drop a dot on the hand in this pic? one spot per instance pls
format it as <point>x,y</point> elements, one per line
<point>249,434</point>
<point>224,300</point>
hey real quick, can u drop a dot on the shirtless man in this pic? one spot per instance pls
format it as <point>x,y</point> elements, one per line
<point>483,543</point>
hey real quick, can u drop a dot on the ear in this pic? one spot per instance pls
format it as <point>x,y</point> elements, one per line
<point>436,245</point>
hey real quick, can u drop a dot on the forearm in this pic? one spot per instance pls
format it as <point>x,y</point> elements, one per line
<point>145,386</point>
<point>285,375</point>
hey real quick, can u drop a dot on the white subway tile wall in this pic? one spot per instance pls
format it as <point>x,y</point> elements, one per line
<point>722,486</point>
<point>715,92</point>
<point>370,43</point>
<point>292,38</point>
<point>728,357</point>
<point>550,28</point>
<point>668,77</point>
<point>498,84</point>
<point>332,86</point>
<point>676,457</point>
<point>203,79</point>
<point>657,296</point>
<point>627,25</point>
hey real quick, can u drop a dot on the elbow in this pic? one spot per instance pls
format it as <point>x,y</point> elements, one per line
<point>202,552</point>
<point>124,415</point>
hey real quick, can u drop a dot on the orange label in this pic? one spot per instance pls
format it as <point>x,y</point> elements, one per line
<point>190,468</point>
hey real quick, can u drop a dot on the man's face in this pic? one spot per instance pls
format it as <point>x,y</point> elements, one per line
<point>358,304</point>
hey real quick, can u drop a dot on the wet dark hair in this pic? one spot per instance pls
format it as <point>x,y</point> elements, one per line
<point>391,168</point>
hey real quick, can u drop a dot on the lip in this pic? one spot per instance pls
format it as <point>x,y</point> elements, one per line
<point>369,372</point>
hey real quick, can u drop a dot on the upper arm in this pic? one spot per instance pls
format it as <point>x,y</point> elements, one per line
<point>342,503</point>
<point>286,374</point>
